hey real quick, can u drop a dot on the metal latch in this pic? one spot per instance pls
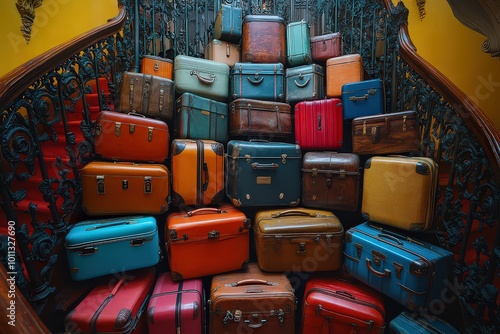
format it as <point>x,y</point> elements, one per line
<point>213,234</point>
<point>237,315</point>
<point>302,248</point>
<point>359,248</point>
<point>100,184</point>
<point>124,184</point>
<point>88,251</point>
<point>148,186</point>
<point>156,65</point>
<point>118,127</point>
<point>131,128</point>
<point>150,133</point>
<point>283,158</point>
<point>329,181</point>
<point>399,269</point>
<point>378,257</point>
<point>98,129</point>
<point>404,123</point>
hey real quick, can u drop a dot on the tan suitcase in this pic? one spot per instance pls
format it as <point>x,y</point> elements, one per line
<point>158,66</point>
<point>342,70</point>
<point>224,52</point>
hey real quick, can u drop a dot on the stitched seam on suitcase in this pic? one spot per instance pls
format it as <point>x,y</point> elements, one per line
<point>178,307</point>
<point>93,320</point>
<point>200,160</point>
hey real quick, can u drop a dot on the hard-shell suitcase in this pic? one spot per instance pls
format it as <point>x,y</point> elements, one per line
<point>260,119</point>
<point>306,82</point>
<point>228,23</point>
<point>298,44</point>
<point>203,77</point>
<point>200,118</point>
<point>409,181</point>
<point>130,137</point>
<point>258,81</point>
<point>224,52</point>
<point>363,98</point>
<point>298,240</point>
<point>409,323</point>
<point>263,39</point>
<point>319,124</point>
<point>341,70</point>
<point>105,246</point>
<point>326,46</point>
<point>392,133</point>
<point>335,305</point>
<point>176,307</point>
<point>197,172</point>
<point>121,188</point>
<point>148,95</point>
<point>261,173</point>
<point>331,180</point>
<point>159,66</point>
<point>207,241</point>
<point>251,301</point>
<point>411,272</point>
<point>114,306</point>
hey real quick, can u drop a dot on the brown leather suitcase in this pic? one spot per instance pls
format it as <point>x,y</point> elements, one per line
<point>254,118</point>
<point>298,240</point>
<point>331,181</point>
<point>326,46</point>
<point>341,70</point>
<point>161,67</point>
<point>393,133</point>
<point>148,95</point>
<point>222,51</point>
<point>263,39</point>
<point>252,301</point>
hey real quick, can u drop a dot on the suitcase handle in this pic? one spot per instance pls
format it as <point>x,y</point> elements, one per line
<point>197,211</point>
<point>133,113</point>
<point>292,212</point>
<point>390,237</point>
<point>251,281</point>
<point>302,85</point>
<point>257,165</point>
<point>358,98</point>
<point>257,81</point>
<point>386,272</point>
<point>205,170</point>
<point>257,325</point>
<point>207,81</point>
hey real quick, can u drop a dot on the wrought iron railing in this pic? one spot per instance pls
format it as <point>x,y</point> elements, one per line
<point>39,100</point>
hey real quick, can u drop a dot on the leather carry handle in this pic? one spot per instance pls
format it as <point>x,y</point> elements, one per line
<point>292,213</point>
<point>133,113</point>
<point>358,98</point>
<point>345,294</point>
<point>257,81</point>
<point>256,325</point>
<point>107,225</point>
<point>207,81</point>
<point>302,85</point>
<point>390,237</point>
<point>386,272</point>
<point>207,210</point>
<point>251,281</point>
<point>257,165</point>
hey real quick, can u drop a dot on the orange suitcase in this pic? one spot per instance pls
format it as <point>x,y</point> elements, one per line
<point>342,70</point>
<point>161,67</point>
<point>118,188</point>
<point>197,172</point>
<point>207,241</point>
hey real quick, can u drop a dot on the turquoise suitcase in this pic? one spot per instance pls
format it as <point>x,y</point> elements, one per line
<point>258,81</point>
<point>305,82</point>
<point>298,44</point>
<point>363,98</point>
<point>409,323</point>
<point>228,24</point>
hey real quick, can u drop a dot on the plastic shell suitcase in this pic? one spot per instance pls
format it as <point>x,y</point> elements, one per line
<point>331,180</point>
<point>176,307</point>
<point>162,67</point>
<point>198,240</point>
<point>251,301</point>
<point>258,81</point>
<point>319,124</point>
<point>298,44</point>
<point>411,272</point>
<point>306,82</point>
<point>326,46</point>
<point>224,52</point>
<point>123,188</point>
<point>298,240</point>
<point>228,23</point>
<point>335,305</point>
<point>197,172</point>
<point>409,323</point>
<point>114,306</point>
<point>263,39</point>
<point>105,246</point>
<point>261,173</point>
<point>409,181</point>
<point>341,70</point>
<point>131,137</point>
<point>363,98</point>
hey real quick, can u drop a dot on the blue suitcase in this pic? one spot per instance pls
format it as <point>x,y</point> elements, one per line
<point>298,44</point>
<point>261,173</point>
<point>409,323</point>
<point>228,23</point>
<point>112,246</point>
<point>257,81</point>
<point>363,98</point>
<point>411,272</point>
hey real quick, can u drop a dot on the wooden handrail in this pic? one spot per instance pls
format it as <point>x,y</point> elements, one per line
<point>16,81</point>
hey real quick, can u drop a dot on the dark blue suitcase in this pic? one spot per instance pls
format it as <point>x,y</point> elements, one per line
<point>409,323</point>
<point>412,272</point>
<point>363,98</point>
<point>257,81</point>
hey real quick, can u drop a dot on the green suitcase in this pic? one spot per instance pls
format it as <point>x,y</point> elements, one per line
<point>298,44</point>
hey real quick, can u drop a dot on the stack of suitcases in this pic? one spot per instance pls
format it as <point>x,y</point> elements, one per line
<point>217,180</point>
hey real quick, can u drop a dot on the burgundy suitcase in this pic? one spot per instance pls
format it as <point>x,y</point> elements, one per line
<point>176,307</point>
<point>319,124</point>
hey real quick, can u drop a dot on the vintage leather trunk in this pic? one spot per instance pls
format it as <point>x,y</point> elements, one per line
<point>411,272</point>
<point>114,306</point>
<point>258,81</point>
<point>341,70</point>
<point>409,181</point>
<point>203,77</point>
<point>207,241</point>
<point>261,173</point>
<point>331,180</point>
<point>161,67</point>
<point>148,95</point>
<point>408,323</point>
<point>298,44</point>
<point>260,119</point>
<point>105,246</point>
<point>252,301</point>
<point>319,124</point>
<point>176,307</point>
<point>263,39</point>
<point>363,98</point>
<point>298,240</point>
<point>306,82</point>
<point>392,133</point>
<point>130,137</point>
<point>228,23</point>
<point>326,46</point>
<point>335,305</point>
<point>200,118</point>
<point>197,172</point>
<point>224,52</point>
<point>122,188</point>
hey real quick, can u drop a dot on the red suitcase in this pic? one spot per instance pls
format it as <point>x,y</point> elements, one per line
<point>334,305</point>
<point>176,307</point>
<point>319,124</point>
<point>114,306</point>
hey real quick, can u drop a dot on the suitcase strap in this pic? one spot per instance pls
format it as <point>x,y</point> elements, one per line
<point>93,320</point>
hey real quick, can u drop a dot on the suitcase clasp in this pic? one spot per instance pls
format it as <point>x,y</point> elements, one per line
<point>100,184</point>
<point>213,234</point>
<point>302,249</point>
<point>378,257</point>
<point>150,133</point>
<point>283,158</point>
<point>399,269</point>
<point>148,186</point>
<point>156,66</point>
<point>88,251</point>
<point>404,123</point>
<point>359,248</point>
<point>98,129</point>
<point>118,127</point>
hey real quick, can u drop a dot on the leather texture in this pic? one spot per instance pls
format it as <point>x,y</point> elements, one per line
<point>298,240</point>
<point>305,82</point>
<point>228,23</point>
<point>258,81</point>
<point>263,39</point>
<point>363,98</point>
<point>298,45</point>
<point>341,70</point>
<point>224,52</point>
<point>326,46</point>
<point>408,323</point>
<point>158,66</point>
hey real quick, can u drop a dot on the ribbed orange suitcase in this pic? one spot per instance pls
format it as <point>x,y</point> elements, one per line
<point>342,70</point>
<point>161,67</point>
